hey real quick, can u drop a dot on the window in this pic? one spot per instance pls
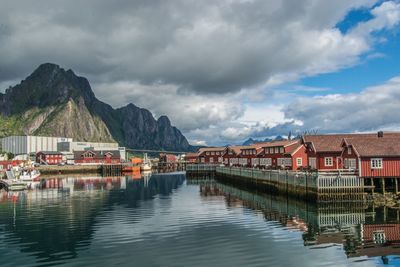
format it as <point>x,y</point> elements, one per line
<point>376,164</point>
<point>349,150</point>
<point>211,160</point>
<point>271,150</point>
<point>350,163</point>
<point>276,150</point>
<point>212,153</point>
<point>328,161</point>
<point>207,153</point>
<point>265,161</point>
<point>299,161</point>
<point>266,150</point>
<point>281,150</point>
<point>281,162</point>
<point>379,237</point>
<point>202,160</point>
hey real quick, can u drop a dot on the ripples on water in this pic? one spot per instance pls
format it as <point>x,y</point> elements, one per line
<point>165,220</point>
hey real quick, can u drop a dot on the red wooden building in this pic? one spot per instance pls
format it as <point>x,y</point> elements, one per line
<point>325,151</point>
<point>49,157</point>
<point>211,155</point>
<point>8,164</point>
<point>97,157</point>
<point>191,157</point>
<point>231,156</point>
<point>287,154</point>
<point>167,158</point>
<point>377,160</point>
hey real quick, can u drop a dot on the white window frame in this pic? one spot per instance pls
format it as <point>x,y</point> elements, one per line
<point>299,161</point>
<point>281,150</point>
<point>328,161</point>
<point>376,163</point>
<point>349,151</point>
<point>276,150</point>
<point>211,160</point>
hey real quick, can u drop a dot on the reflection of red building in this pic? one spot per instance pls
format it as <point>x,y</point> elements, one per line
<point>381,232</point>
<point>97,157</point>
<point>379,240</point>
<point>49,157</point>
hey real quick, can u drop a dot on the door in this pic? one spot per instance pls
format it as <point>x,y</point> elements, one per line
<point>312,162</point>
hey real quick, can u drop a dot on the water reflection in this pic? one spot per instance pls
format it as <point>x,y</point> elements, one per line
<point>164,220</point>
<point>53,223</point>
<point>362,230</point>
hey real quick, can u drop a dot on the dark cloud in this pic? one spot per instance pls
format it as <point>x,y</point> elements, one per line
<point>202,46</point>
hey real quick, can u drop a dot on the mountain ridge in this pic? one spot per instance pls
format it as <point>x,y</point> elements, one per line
<point>54,101</point>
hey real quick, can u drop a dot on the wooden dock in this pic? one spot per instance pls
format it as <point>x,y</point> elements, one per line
<point>326,186</point>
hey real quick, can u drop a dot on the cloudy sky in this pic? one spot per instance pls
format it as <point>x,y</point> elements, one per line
<point>222,70</point>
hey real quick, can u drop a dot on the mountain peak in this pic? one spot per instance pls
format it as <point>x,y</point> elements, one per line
<point>54,101</point>
<point>164,120</point>
<point>48,85</point>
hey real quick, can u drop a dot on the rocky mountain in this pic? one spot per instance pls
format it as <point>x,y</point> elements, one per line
<point>56,102</point>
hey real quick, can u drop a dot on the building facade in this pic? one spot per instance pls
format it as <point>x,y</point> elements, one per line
<point>88,157</point>
<point>23,145</point>
<point>49,158</point>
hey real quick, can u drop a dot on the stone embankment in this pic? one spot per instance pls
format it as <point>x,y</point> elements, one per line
<point>70,169</point>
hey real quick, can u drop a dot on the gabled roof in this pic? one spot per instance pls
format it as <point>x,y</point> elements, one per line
<point>374,147</point>
<point>332,142</point>
<point>191,155</point>
<point>50,152</point>
<point>284,143</point>
<point>97,153</point>
<point>291,150</point>
<point>210,149</point>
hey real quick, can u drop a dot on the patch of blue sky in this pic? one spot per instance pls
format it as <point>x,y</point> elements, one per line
<point>354,17</point>
<point>376,67</point>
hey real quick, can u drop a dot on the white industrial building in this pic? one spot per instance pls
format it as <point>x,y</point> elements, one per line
<point>23,145</point>
<point>70,146</point>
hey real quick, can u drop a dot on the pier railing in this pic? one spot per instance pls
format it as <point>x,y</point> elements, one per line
<point>296,179</point>
<point>201,167</point>
<point>326,186</point>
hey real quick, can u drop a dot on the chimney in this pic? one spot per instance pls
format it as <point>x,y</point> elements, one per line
<point>380,134</point>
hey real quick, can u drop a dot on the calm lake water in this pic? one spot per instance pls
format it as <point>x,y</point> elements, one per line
<point>165,220</point>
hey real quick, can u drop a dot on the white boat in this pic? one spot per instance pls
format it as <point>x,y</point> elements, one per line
<point>146,165</point>
<point>29,176</point>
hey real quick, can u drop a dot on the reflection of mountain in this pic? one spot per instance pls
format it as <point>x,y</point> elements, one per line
<point>56,223</point>
<point>361,231</point>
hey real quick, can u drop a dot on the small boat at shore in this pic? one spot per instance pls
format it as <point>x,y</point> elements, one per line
<point>30,176</point>
<point>13,185</point>
<point>146,165</point>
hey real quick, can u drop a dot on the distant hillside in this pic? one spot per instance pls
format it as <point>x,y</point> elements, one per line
<point>56,102</point>
<point>252,141</point>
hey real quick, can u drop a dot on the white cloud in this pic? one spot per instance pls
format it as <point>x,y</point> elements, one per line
<point>372,109</point>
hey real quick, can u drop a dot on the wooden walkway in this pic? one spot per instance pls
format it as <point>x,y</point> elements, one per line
<point>323,186</point>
